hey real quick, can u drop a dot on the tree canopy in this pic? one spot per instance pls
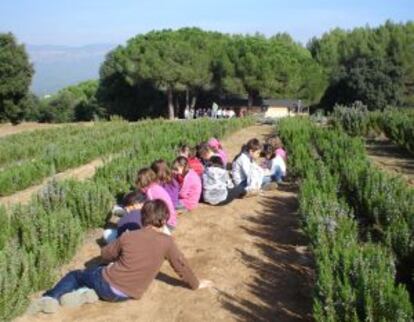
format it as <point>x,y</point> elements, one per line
<point>191,60</point>
<point>15,77</point>
<point>162,72</point>
<point>372,65</point>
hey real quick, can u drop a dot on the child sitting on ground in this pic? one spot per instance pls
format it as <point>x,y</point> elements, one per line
<point>246,172</point>
<point>131,220</point>
<point>277,146</point>
<point>190,191</point>
<point>215,145</point>
<point>275,166</point>
<point>242,167</point>
<point>193,161</point>
<point>147,183</point>
<point>204,152</point>
<point>168,182</point>
<point>218,189</point>
<point>136,259</point>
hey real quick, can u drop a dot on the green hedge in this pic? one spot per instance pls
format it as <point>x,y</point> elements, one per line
<point>396,124</point>
<point>355,273</point>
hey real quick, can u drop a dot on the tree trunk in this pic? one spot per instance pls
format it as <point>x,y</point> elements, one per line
<point>170,103</point>
<point>177,105</point>
<point>187,98</point>
<point>193,101</point>
<point>250,100</point>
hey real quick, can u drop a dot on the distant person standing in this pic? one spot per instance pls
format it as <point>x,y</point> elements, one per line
<point>219,113</point>
<point>225,113</point>
<point>187,113</point>
<point>214,109</point>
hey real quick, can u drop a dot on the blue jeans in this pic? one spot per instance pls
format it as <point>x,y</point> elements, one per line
<point>90,278</point>
<point>276,176</point>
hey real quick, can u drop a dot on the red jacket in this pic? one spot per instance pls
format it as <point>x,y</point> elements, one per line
<point>196,165</point>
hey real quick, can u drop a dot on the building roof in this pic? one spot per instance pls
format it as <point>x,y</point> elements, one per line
<point>290,103</point>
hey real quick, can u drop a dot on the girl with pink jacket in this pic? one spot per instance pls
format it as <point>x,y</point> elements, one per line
<point>146,182</point>
<point>191,187</point>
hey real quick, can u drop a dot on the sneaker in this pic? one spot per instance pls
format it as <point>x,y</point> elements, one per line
<point>270,186</point>
<point>77,298</point>
<point>45,304</point>
<point>118,211</point>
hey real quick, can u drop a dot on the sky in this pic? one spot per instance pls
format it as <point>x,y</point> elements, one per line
<point>82,22</point>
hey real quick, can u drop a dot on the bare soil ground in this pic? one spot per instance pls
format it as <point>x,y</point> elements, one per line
<point>389,157</point>
<point>252,249</point>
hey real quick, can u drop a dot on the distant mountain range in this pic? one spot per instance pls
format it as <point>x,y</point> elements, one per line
<point>59,66</point>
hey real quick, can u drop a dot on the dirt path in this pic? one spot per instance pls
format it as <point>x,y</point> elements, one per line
<point>81,173</point>
<point>388,156</point>
<point>252,249</point>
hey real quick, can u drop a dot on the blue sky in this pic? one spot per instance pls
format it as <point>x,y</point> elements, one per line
<point>81,22</point>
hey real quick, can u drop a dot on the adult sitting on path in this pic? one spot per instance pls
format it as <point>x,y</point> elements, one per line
<point>136,259</point>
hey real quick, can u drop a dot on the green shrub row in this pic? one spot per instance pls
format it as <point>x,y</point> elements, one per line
<point>37,238</point>
<point>28,160</point>
<point>383,203</point>
<point>355,276</point>
<point>399,127</point>
<point>396,124</point>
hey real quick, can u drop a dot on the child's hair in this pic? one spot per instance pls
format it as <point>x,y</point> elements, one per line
<point>275,142</point>
<point>162,170</point>
<point>216,161</point>
<point>203,149</point>
<point>253,145</point>
<point>133,198</point>
<point>181,162</point>
<point>145,177</point>
<point>154,213</point>
<point>185,149</point>
<point>268,151</point>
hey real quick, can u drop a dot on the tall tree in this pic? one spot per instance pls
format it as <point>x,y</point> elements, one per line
<point>388,47</point>
<point>196,72</point>
<point>15,77</point>
<point>194,62</point>
<point>372,80</point>
<point>252,69</point>
<point>157,57</point>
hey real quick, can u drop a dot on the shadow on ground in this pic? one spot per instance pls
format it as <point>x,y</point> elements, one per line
<point>283,269</point>
<point>394,154</point>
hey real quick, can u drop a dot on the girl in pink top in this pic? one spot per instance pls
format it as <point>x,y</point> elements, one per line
<point>218,149</point>
<point>277,145</point>
<point>190,191</point>
<point>281,152</point>
<point>147,183</point>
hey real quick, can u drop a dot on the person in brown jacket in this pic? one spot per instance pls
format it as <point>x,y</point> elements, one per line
<point>134,261</point>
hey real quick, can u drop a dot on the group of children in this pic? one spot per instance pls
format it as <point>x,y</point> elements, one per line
<point>142,240</point>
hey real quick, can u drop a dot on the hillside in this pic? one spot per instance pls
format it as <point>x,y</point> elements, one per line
<point>60,66</point>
